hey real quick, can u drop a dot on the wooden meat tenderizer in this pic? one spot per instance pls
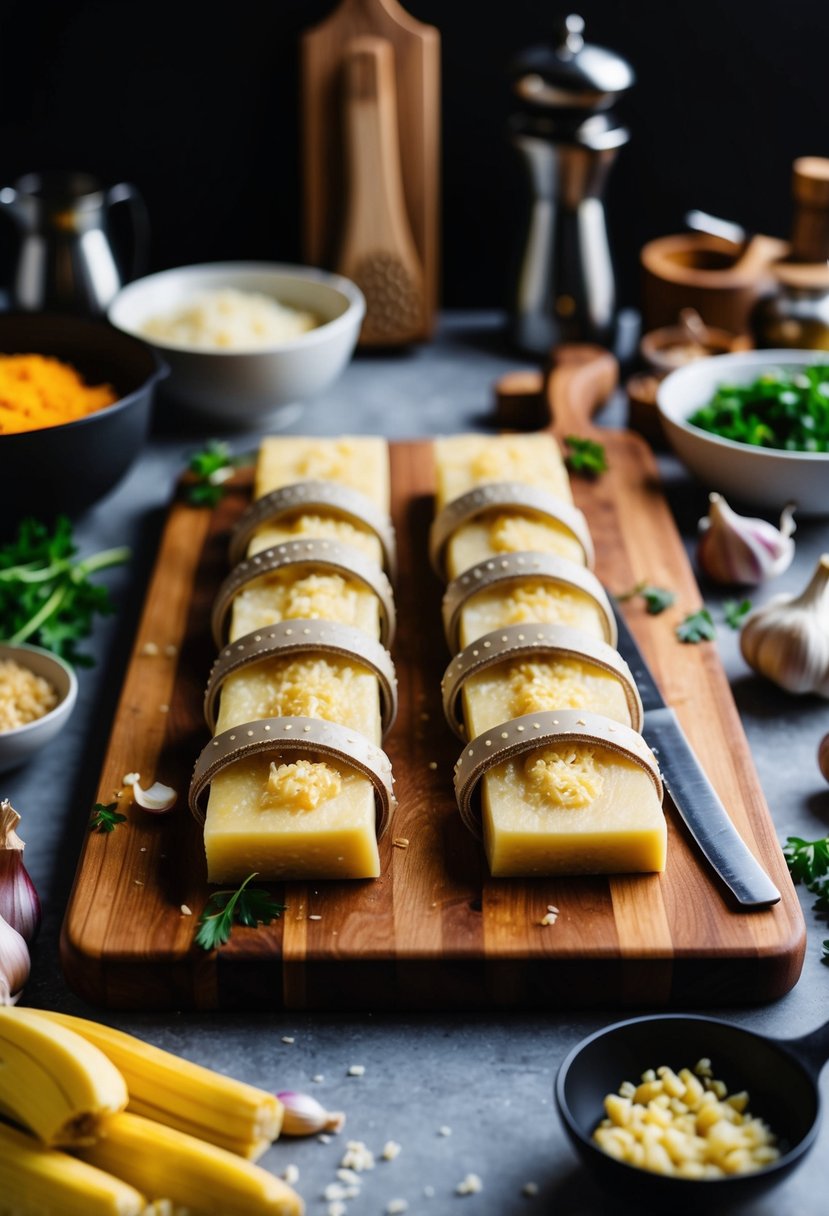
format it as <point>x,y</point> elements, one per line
<point>378,250</point>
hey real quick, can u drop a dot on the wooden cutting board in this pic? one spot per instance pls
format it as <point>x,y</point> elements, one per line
<point>434,932</point>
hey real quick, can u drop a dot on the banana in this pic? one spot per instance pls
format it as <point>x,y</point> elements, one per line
<point>39,1181</point>
<point>201,1177</point>
<point>53,1081</point>
<point>195,1100</point>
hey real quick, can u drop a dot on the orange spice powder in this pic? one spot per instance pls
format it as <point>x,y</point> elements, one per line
<point>37,391</point>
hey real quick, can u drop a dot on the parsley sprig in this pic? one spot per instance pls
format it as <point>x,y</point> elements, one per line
<point>105,817</point>
<point>246,906</point>
<point>657,599</point>
<point>585,456</point>
<point>46,596</point>
<point>697,627</point>
<point>808,862</point>
<point>210,468</point>
<point>735,612</point>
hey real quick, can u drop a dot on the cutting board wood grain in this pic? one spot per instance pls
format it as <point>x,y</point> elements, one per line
<point>416,51</point>
<point>434,931</point>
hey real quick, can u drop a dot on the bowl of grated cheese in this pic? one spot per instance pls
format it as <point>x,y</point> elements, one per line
<point>246,342</point>
<point>37,695</point>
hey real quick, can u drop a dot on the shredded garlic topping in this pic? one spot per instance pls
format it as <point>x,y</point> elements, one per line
<point>555,684</point>
<point>569,777</point>
<point>301,786</point>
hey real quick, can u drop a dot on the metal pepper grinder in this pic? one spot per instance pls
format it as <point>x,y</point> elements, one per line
<point>568,139</point>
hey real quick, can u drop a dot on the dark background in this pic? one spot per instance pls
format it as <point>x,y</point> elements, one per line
<point>196,103</point>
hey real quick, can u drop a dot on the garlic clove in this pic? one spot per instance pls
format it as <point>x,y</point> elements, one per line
<point>739,549</point>
<point>787,639</point>
<point>823,756</point>
<point>19,903</point>
<point>304,1115</point>
<point>15,964</point>
<point>157,798</point>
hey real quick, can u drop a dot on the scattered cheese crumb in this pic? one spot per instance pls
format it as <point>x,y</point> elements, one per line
<point>349,1177</point>
<point>319,1078</point>
<point>149,648</point>
<point>444,1131</point>
<point>323,1139</point>
<point>549,918</point>
<point>130,778</point>
<point>138,882</point>
<point>288,1038</point>
<point>315,916</point>
<point>396,1206</point>
<point>471,1185</point>
<point>356,1070</point>
<point>529,1188</point>
<point>433,765</point>
<point>185,911</point>
<point>552,908</point>
<point>357,1157</point>
<point>170,649</point>
<point>391,1149</point>
<point>401,842</point>
<point>334,1191</point>
<point>164,709</point>
<point>291,1174</point>
<point>336,1208</point>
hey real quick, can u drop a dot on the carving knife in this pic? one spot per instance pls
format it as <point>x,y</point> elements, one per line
<point>692,793</point>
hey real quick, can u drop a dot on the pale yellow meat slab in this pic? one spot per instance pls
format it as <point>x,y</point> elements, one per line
<point>525,686</point>
<point>532,600</point>
<point>614,824</point>
<point>247,829</point>
<point>465,461</point>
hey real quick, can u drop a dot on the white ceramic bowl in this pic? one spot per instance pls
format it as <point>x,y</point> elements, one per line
<point>764,477</point>
<point>246,388</point>
<point>18,745</point>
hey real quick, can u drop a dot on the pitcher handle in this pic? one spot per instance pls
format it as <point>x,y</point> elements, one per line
<point>124,192</point>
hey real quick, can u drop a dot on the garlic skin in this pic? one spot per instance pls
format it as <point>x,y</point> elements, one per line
<point>19,903</point>
<point>741,549</point>
<point>157,798</point>
<point>787,639</point>
<point>15,964</point>
<point>304,1115</point>
<point>823,756</point>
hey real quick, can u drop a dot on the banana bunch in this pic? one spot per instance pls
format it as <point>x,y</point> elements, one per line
<point>115,1127</point>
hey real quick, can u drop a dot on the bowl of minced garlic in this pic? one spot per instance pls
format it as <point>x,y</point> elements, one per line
<point>37,694</point>
<point>39,390</point>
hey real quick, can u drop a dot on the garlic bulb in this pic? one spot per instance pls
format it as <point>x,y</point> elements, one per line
<point>823,756</point>
<point>787,639</point>
<point>740,549</point>
<point>15,964</point>
<point>19,904</point>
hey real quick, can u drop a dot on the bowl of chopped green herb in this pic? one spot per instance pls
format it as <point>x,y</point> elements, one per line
<point>754,425</point>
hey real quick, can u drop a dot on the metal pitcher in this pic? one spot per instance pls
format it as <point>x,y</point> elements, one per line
<point>65,262</point>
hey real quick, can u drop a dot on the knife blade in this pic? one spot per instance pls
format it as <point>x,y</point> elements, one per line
<point>692,793</point>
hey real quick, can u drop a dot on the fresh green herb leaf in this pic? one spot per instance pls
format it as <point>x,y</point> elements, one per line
<point>585,456</point>
<point>808,860</point>
<point>735,612</point>
<point>210,469</point>
<point>246,906</point>
<point>46,596</point>
<point>657,599</point>
<point>788,410</point>
<point>697,627</point>
<point>105,817</point>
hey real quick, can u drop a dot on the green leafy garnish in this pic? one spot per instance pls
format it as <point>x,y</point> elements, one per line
<point>657,599</point>
<point>697,627</point>
<point>735,612</point>
<point>808,862</point>
<point>585,456</point>
<point>246,906</point>
<point>46,596</point>
<point>780,409</point>
<point>211,468</point>
<point>105,817</point>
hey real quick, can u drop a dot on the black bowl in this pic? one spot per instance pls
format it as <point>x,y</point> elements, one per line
<point>782,1090</point>
<point>68,467</point>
